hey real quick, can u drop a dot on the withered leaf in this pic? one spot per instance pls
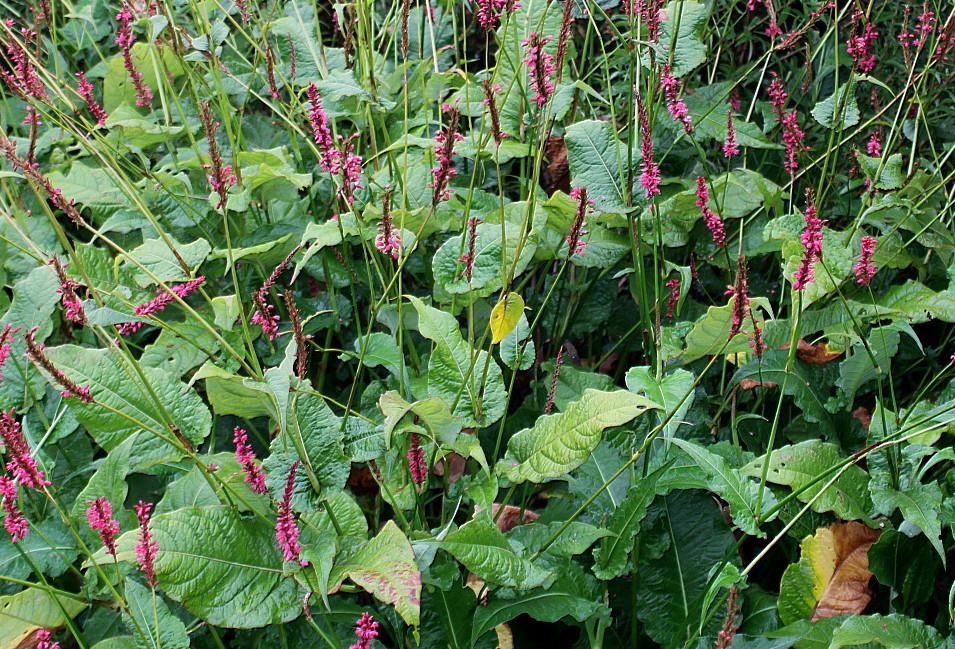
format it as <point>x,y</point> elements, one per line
<point>841,559</point>
<point>818,353</point>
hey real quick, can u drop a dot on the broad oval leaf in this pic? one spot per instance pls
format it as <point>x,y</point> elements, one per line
<point>483,549</point>
<point>505,315</point>
<point>559,443</point>
<point>386,568</point>
<point>223,568</point>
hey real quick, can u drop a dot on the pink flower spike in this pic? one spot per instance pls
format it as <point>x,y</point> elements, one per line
<point>675,105</point>
<point>161,301</point>
<point>124,39</point>
<point>864,270</point>
<point>445,139</point>
<point>244,455</point>
<point>388,239</point>
<point>859,44</point>
<point>348,166</point>
<point>713,222</point>
<point>85,90</point>
<point>650,172</point>
<point>321,133</point>
<point>20,460</point>
<point>540,66</point>
<point>146,546</point>
<point>873,146</point>
<point>415,457</point>
<point>729,146</point>
<point>42,638</point>
<point>13,520</point>
<point>286,530</point>
<point>674,286</point>
<point>575,242</point>
<point>5,334</point>
<point>366,629</point>
<point>99,516</point>
<point>793,140</point>
<point>811,239</point>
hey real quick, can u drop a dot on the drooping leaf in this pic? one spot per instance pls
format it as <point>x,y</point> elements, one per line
<point>832,574</point>
<point>800,466</point>
<point>545,606</point>
<point>386,568</point>
<point>610,557</point>
<point>456,371</point>
<point>682,25</point>
<point>31,609</point>
<point>109,480</point>
<point>433,413</point>
<point>484,550</point>
<point>733,486</point>
<point>152,624</point>
<point>596,161</point>
<point>891,631</point>
<point>906,565</point>
<point>156,256</point>
<point>559,443</point>
<point>920,505</point>
<point>517,348</point>
<point>679,546</point>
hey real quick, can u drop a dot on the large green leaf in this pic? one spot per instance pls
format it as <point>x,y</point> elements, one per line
<point>157,257</point>
<point>32,609</point>
<point>733,486</point>
<point>34,301</point>
<point>484,550</point>
<point>545,606</point>
<point>610,557</point>
<point>109,480</point>
<point>49,547</point>
<point>596,162</point>
<point>386,568</point>
<point>668,391</point>
<point>561,442</point>
<point>920,505</point>
<point>686,538</point>
<point>905,565</point>
<point>456,370</point>
<point>125,406</point>
<point>891,631</point>
<point>495,259</point>
<point>799,465</point>
<point>152,624</point>
<point>843,101</point>
<point>223,568</point>
<point>680,30</point>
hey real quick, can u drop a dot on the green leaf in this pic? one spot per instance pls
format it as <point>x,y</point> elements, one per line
<point>34,300</point>
<point>708,106</point>
<point>799,466</point>
<point>109,480</point>
<point>222,567</point>
<point>772,368</point>
<point>891,631</point>
<point>484,550</point>
<point>32,609</point>
<point>610,557</point>
<point>432,413</point>
<point>152,624</point>
<point>845,97</point>
<point>119,389</point>
<point>226,309</point>
<point>150,60</point>
<point>596,162</point>
<point>386,568</point>
<point>709,334</point>
<point>48,546</point>
<point>859,367</point>
<point>686,538</point>
<point>885,172</point>
<point>668,392</point>
<point>156,256</point>
<point>544,606</point>
<point>732,486</point>
<point>234,395</point>
<point>489,273</point>
<point>920,505</point>
<point>455,369</point>
<point>688,19</point>
<point>561,442</point>
<point>905,565</point>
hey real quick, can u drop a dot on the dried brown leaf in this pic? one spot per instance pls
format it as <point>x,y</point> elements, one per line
<point>818,353</point>
<point>842,551</point>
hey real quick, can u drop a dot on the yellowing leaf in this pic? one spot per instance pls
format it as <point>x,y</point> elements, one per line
<point>504,316</point>
<point>832,575</point>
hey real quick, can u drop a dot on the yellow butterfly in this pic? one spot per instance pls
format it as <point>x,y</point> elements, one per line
<point>505,315</point>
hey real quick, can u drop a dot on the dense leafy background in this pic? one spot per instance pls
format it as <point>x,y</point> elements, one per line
<point>618,463</point>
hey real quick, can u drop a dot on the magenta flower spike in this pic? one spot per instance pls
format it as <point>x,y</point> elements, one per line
<point>811,239</point>
<point>244,455</point>
<point>864,270</point>
<point>286,529</point>
<point>366,629</point>
<point>99,516</point>
<point>541,66</point>
<point>13,521</point>
<point>146,545</point>
<point>713,222</point>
